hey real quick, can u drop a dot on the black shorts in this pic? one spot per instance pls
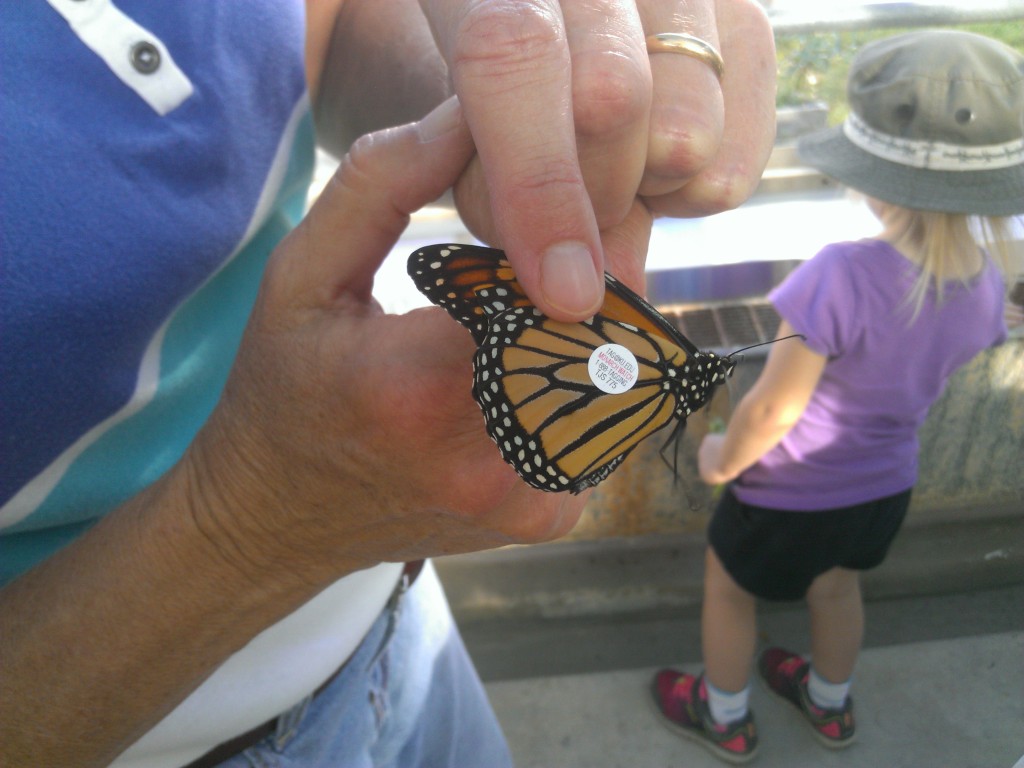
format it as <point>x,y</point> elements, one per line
<point>775,554</point>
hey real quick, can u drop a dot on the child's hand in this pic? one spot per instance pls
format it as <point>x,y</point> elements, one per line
<point>1014,314</point>
<point>708,459</point>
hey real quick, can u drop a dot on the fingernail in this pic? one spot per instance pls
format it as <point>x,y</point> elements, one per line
<point>569,280</point>
<point>442,119</point>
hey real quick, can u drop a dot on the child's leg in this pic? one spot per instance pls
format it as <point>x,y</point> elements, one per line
<point>713,708</point>
<point>837,623</point>
<point>728,628</point>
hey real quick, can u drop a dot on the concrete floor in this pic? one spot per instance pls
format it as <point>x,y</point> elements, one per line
<point>939,703</point>
<point>567,636</point>
<point>940,683</point>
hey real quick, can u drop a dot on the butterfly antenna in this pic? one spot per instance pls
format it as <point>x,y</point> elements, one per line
<point>766,343</point>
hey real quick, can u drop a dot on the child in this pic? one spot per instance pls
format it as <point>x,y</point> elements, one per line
<point>821,453</point>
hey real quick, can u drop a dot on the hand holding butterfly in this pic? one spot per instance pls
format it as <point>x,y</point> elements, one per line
<point>347,434</point>
<point>766,413</point>
<point>345,437</point>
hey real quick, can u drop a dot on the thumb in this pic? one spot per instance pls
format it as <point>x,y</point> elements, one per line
<point>365,207</point>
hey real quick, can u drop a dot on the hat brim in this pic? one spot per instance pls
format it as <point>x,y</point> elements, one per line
<point>991,192</point>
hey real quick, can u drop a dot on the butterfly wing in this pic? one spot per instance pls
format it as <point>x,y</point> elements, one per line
<point>541,406</point>
<point>451,275</point>
<point>625,306</point>
<point>532,380</point>
<point>698,372</point>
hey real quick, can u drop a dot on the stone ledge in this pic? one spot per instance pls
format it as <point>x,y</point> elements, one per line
<point>971,462</point>
<point>645,576</point>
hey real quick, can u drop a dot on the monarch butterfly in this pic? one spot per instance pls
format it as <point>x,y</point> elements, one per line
<point>565,402</point>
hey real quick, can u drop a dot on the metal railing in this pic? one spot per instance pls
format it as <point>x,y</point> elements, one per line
<point>855,16</point>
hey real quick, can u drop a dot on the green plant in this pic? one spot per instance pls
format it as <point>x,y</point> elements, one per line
<point>814,67</point>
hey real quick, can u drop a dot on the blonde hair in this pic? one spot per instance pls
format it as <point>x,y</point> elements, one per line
<point>947,247</point>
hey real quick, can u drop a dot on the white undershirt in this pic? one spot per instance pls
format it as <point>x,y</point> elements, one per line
<point>277,669</point>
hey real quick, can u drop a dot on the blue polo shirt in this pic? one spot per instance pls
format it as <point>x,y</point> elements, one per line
<point>152,155</point>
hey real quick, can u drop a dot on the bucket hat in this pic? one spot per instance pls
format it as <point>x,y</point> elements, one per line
<point>936,123</point>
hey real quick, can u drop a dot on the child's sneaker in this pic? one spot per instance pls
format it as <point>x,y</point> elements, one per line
<point>682,701</point>
<point>785,674</point>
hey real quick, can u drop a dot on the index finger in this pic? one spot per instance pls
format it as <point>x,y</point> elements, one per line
<point>510,65</point>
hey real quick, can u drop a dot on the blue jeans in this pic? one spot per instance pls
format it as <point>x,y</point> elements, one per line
<point>405,699</point>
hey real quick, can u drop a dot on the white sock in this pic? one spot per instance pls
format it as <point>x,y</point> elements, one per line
<point>727,707</point>
<point>825,694</point>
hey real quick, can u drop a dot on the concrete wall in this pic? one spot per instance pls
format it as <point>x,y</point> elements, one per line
<point>638,551</point>
<point>972,458</point>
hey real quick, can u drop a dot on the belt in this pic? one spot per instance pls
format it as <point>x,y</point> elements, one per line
<point>232,747</point>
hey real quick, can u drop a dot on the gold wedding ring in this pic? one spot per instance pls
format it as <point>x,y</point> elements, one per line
<point>688,45</point>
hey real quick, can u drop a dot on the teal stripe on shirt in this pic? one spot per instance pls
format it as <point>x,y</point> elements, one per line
<point>196,356</point>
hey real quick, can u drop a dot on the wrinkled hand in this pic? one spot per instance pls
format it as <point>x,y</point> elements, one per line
<point>346,434</point>
<point>574,121</point>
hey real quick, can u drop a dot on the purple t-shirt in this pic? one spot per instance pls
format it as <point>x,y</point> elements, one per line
<point>857,439</point>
